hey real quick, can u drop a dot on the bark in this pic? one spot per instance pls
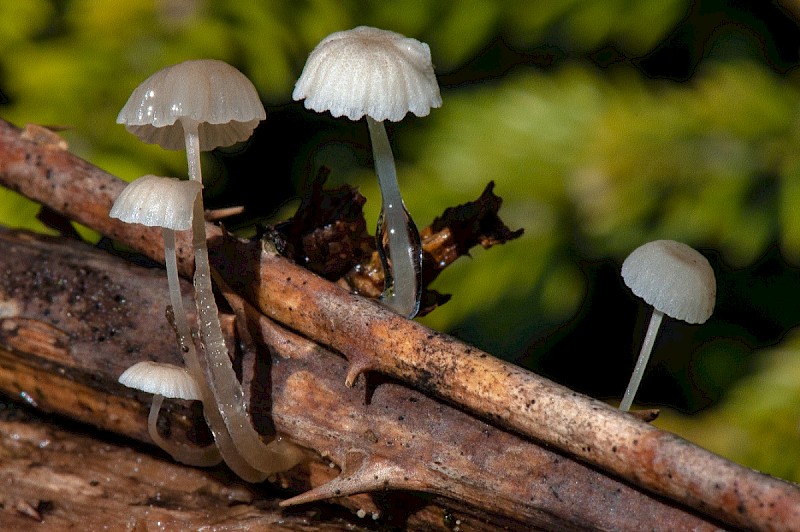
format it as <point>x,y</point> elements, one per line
<point>510,398</point>
<point>75,317</point>
<point>70,480</point>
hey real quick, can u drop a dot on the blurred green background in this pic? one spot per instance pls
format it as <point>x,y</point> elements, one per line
<point>604,124</point>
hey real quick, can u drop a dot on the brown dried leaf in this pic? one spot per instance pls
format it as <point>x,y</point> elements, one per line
<point>328,236</point>
<point>328,232</point>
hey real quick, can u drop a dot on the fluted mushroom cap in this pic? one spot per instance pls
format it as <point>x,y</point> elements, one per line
<point>369,71</point>
<point>157,202</point>
<point>672,277</point>
<point>212,93</point>
<point>162,379</point>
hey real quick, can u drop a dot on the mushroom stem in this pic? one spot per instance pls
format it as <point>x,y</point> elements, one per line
<point>191,138</point>
<point>225,447</point>
<point>225,443</point>
<point>641,363</point>
<point>181,322</point>
<point>205,456</point>
<point>397,237</point>
<point>221,378</point>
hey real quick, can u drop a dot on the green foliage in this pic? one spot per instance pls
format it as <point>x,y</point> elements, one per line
<point>609,162</point>
<point>759,423</point>
<point>591,161</point>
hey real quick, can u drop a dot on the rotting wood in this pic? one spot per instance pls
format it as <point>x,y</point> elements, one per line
<point>68,480</point>
<point>409,441</point>
<point>374,339</point>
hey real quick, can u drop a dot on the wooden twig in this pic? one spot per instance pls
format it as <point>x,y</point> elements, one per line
<point>374,339</point>
<point>62,299</point>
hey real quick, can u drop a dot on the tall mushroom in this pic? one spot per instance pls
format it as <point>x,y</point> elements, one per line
<point>675,280</point>
<point>201,105</point>
<point>383,75</point>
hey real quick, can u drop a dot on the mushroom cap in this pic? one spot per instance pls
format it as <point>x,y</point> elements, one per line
<point>222,101</point>
<point>369,71</point>
<point>157,202</point>
<point>162,379</point>
<point>672,277</point>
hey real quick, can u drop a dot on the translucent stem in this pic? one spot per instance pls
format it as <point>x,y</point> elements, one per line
<point>221,378</point>
<point>194,456</point>
<point>397,237</point>
<point>181,321</point>
<point>225,448</point>
<point>641,363</point>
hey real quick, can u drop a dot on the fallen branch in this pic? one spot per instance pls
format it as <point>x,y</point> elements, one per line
<point>374,339</point>
<point>72,321</point>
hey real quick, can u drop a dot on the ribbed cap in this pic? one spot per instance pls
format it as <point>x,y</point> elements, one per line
<point>369,71</point>
<point>157,202</point>
<point>162,379</point>
<point>223,102</point>
<point>672,277</point>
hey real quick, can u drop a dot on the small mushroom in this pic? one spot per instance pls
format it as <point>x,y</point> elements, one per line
<point>166,380</point>
<point>675,280</point>
<point>167,203</point>
<point>383,75</point>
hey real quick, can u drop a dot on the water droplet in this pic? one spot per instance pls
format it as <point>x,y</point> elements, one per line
<point>25,396</point>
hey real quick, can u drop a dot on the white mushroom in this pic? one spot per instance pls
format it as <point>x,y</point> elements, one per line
<point>157,202</point>
<point>381,75</point>
<point>167,203</point>
<point>675,280</point>
<point>161,379</point>
<point>201,105</point>
<point>166,380</point>
<point>204,102</point>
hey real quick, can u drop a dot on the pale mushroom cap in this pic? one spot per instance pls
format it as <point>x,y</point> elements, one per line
<point>672,277</point>
<point>157,202</point>
<point>162,379</point>
<point>212,93</point>
<point>368,71</point>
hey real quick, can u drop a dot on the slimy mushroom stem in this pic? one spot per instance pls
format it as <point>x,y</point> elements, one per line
<point>384,76</point>
<point>191,139</point>
<point>225,447</point>
<point>397,236</point>
<point>220,375</point>
<point>225,442</point>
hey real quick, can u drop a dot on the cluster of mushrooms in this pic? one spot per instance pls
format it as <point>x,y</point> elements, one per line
<point>204,104</point>
<point>200,105</point>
